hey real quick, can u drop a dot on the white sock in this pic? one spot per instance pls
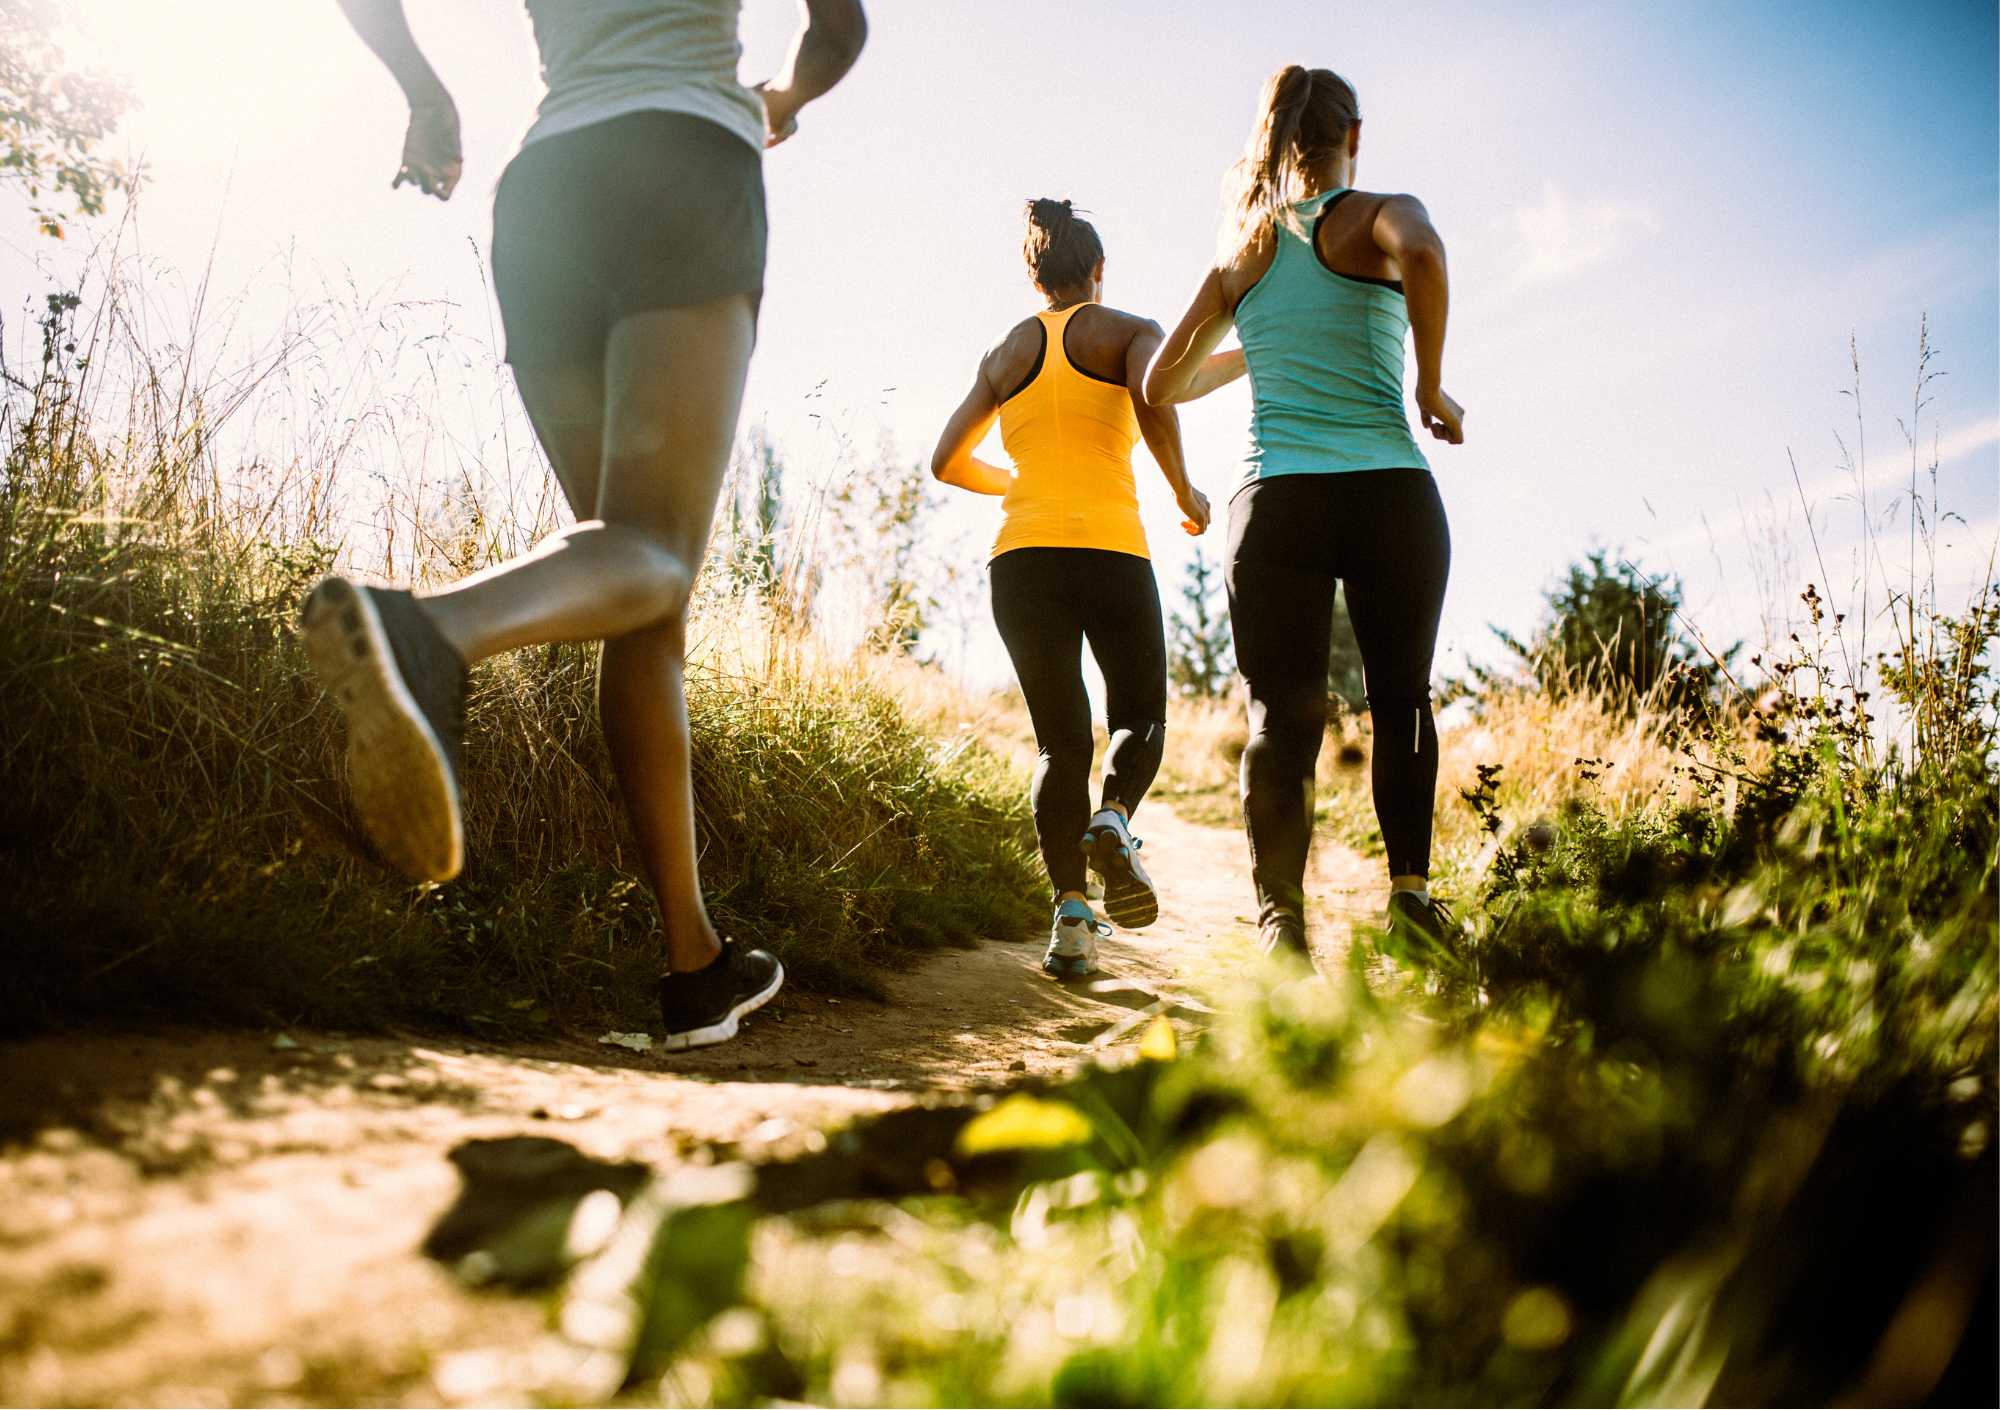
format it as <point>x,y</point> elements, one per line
<point>1422,893</point>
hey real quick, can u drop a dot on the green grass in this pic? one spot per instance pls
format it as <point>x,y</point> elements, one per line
<point>1701,1100</point>
<point>1699,1108</point>
<point>175,843</point>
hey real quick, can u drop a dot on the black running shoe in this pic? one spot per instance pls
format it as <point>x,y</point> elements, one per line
<point>701,1006</point>
<point>402,688</point>
<point>1417,925</point>
<point>1130,899</point>
<point>1281,933</point>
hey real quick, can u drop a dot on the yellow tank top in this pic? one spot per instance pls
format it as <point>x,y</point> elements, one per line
<point>1070,437</point>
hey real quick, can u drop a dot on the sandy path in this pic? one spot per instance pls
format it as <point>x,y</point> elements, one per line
<point>211,1219</point>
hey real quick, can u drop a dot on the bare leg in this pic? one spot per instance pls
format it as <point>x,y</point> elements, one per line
<point>652,461</point>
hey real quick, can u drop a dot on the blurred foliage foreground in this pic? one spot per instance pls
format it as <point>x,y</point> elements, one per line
<point>1699,1108</point>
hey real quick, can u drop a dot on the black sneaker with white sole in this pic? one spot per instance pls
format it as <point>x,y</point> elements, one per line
<point>702,1006</point>
<point>402,688</point>
<point>1417,926</point>
<point>1130,899</point>
<point>1281,934</point>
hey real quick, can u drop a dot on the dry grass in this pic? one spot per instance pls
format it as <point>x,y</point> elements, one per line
<point>174,838</point>
<point>1550,753</point>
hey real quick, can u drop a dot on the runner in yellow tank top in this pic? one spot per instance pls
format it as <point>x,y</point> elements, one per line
<point>1070,435</point>
<point>1070,563</point>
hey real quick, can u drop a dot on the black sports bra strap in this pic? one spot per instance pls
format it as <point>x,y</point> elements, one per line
<point>1313,241</point>
<point>1035,371</point>
<point>1325,211</point>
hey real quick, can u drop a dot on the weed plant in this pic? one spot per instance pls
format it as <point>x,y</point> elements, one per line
<point>175,842</point>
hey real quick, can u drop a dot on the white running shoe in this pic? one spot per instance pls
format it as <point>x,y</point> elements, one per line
<point>1130,899</point>
<point>1073,942</point>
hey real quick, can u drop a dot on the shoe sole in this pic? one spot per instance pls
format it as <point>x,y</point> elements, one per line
<point>397,769</point>
<point>1130,900</point>
<point>725,1030</point>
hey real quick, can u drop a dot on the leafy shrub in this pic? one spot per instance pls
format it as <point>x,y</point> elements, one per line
<point>1616,634</point>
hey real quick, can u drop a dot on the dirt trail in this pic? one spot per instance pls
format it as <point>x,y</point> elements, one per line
<point>224,1220</point>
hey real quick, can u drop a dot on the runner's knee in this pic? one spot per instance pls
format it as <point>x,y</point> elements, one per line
<point>1293,712</point>
<point>645,578</point>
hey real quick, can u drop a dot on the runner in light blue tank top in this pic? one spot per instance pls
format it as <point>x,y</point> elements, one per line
<point>1325,357</point>
<point>1323,282</point>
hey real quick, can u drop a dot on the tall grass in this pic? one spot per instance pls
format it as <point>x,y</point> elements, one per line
<point>175,842</point>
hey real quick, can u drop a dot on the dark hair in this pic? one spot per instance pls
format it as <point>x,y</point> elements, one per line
<point>1302,115</point>
<point>1060,248</point>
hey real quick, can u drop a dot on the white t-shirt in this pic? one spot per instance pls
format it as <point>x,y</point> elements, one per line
<point>605,58</point>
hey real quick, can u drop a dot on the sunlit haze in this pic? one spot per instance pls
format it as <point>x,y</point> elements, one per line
<point>1665,220</point>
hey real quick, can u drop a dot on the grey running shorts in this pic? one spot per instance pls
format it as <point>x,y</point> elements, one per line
<point>649,210</point>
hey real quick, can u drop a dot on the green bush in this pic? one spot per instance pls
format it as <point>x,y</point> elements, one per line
<point>1614,633</point>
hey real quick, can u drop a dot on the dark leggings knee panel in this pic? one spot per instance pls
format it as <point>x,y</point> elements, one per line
<point>1289,709</point>
<point>1132,761</point>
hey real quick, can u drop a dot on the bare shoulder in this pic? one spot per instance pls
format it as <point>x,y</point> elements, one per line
<point>1125,326</point>
<point>1401,205</point>
<point>1011,355</point>
<point>1238,273</point>
<point>1025,334</point>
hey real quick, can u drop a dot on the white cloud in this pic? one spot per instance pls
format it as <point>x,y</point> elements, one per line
<point>1560,236</point>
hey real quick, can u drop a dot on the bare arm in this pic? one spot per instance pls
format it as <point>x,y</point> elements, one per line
<point>1403,231</point>
<point>953,461</point>
<point>432,160</point>
<point>1218,371</point>
<point>829,40</point>
<point>1161,426</point>
<point>1178,368</point>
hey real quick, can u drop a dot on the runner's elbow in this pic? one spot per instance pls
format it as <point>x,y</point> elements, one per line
<point>841,25</point>
<point>1422,260</point>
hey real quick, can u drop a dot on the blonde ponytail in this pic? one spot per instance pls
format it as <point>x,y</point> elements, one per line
<point>1302,115</point>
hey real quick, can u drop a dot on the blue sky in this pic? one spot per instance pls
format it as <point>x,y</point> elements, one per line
<point>1665,221</point>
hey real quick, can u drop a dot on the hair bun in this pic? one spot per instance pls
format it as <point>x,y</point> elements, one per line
<point>1049,214</point>
<point>1061,247</point>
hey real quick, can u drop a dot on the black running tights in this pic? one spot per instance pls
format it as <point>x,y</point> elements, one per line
<point>1047,602</point>
<point>1292,539</point>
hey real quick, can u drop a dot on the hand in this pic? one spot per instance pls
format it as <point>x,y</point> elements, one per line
<point>431,158</point>
<point>1443,417</point>
<point>781,114</point>
<point>1194,504</point>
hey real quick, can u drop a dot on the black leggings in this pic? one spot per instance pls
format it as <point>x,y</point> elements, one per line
<point>1291,540</point>
<point>1046,602</point>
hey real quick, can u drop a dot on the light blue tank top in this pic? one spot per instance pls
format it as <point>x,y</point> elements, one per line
<point>1325,353</point>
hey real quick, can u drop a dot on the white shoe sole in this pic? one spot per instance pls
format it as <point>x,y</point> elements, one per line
<point>1130,900</point>
<point>725,1030</point>
<point>397,768</point>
